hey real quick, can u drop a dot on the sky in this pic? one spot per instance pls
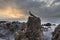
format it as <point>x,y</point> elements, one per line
<point>47,10</point>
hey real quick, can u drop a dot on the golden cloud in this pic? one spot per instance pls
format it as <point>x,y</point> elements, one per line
<point>10,12</point>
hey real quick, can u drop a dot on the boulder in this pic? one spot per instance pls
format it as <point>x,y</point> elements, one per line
<point>56,33</point>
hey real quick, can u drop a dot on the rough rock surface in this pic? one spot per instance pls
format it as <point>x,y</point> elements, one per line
<point>34,31</point>
<point>56,33</point>
<point>21,34</point>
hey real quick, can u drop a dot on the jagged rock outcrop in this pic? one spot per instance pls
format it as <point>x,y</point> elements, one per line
<point>32,31</point>
<point>56,33</point>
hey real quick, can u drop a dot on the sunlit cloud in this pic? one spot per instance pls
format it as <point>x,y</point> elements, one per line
<point>10,12</point>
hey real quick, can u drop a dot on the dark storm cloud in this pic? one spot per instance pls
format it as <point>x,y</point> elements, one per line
<point>35,6</point>
<point>52,11</point>
<point>28,4</point>
<point>40,7</point>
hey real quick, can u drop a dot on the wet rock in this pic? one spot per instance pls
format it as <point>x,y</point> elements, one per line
<point>47,25</point>
<point>11,27</point>
<point>56,33</point>
<point>2,22</point>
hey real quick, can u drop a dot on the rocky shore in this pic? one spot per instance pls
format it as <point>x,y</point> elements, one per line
<point>32,30</point>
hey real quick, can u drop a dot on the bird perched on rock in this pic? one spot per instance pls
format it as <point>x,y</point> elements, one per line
<point>31,14</point>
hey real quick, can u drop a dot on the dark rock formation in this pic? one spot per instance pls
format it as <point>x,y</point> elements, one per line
<point>31,30</point>
<point>56,33</point>
<point>2,22</point>
<point>31,14</point>
<point>21,34</point>
<point>34,29</point>
<point>47,24</point>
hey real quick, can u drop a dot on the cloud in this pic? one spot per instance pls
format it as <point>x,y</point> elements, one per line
<point>41,8</point>
<point>48,10</point>
<point>9,10</point>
